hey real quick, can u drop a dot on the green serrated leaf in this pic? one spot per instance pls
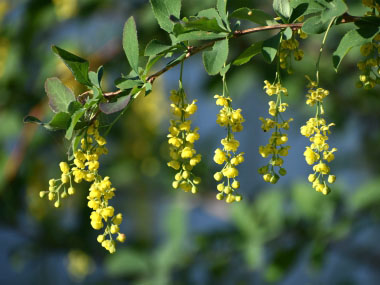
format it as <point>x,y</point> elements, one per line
<point>154,47</point>
<point>93,78</point>
<point>200,36</point>
<point>221,5</point>
<point>59,95</point>
<point>298,11</point>
<point>314,25</point>
<point>270,46</point>
<point>152,61</point>
<point>287,33</point>
<point>74,120</point>
<point>130,43</point>
<point>250,52</point>
<point>205,24</point>
<point>60,121</point>
<point>283,9</point>
<point>211,14</point>
<point>215,59</point>
<point>225,69</point>
<point>253,15</point>
<point>163,9</point>
<point>335,8</point>
<point>127,83</point>
<point>113,107</point>
<point>352,39</point>
<point>312,6</point>
<point>73,107</point>
<point>77,65</point>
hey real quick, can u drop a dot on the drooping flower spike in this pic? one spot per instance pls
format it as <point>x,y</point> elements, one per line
<point>85,168</point>
<point>317,130</point>
<point>181,140</point>
<point>276,144</point>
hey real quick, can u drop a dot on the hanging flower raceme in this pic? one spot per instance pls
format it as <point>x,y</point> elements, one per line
<point>291,47</point>
<point>181,140</point>
<point>276,145</point>
<point>85,168</point>
<point>228,155</point>
<point>370,66</point>
<point>317,130</point>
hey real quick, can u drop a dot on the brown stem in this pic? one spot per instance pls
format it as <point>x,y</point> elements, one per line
<point>345,18</point>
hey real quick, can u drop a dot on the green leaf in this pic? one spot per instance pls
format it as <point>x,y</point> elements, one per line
<point>221,5</point>
<point>131,44</point>
<point>333,9</point>
<point>152,61</point>
<point>225,69</point>
<point>74,120</point>
<point>93,78</point>
<point>59,95</point>
<point>270,46</point>
<point>205,24</point>
<point>163,9</point>
<point>253,15</point>
<point>314,25</point>
<point>287,33</point>
<point>77,65</point>
<point>298,11</point>
<point>60,121</point>
<point>127,83</point>
<point>352,39</point>
<point>200,35</point>
<point>33,120</point>
<point>154,47</point>
<point>211,14</point>
<point>312,6</point>
<point>283,9</point>
<point>73,107</point>
<point>113,107</point>
<point>215,59</point>
<point>250,52</point>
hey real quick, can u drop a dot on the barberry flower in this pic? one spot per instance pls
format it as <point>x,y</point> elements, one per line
<point>228,156</point>
<point>291,47</point>
<point>317,130</point>
<point>181,140</point>
<point>275,147</point>
<point>85,167</point>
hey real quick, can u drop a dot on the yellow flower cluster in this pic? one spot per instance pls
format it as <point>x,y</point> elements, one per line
<point>370,66</point>
<point>85,167</point>
<point>275,146</point>
<point>318,153</point>
<point>232,120</point>
<point>289,47</point>
<point>181,140</point>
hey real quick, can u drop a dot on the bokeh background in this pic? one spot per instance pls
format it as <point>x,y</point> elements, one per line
<point>284,234</point>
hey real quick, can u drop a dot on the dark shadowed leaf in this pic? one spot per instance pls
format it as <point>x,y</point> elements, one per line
<point>250,52</point>
<point>74,120</point>
<point>270,46</point>
<point>77,65</point>
<point>113,107</point>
